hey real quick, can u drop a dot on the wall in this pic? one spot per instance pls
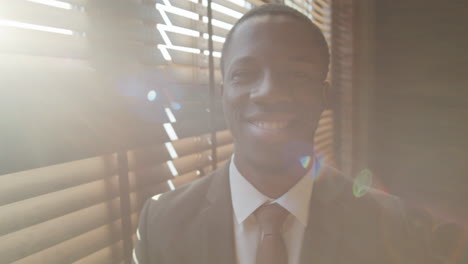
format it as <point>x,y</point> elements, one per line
<point>418,127</point>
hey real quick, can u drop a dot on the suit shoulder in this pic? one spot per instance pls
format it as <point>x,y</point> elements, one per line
<point>182,201</point>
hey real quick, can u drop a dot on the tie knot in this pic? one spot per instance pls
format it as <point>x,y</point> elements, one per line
<point>271,217</point>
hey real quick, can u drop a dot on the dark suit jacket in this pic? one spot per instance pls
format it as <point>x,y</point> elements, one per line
<point>194,224</point>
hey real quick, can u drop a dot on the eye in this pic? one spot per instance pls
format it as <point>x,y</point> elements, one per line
<point>243,76</point>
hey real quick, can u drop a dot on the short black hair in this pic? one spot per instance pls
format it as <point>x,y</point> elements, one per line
<point>279,9</point>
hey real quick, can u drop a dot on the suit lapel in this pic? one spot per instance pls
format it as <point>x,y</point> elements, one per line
<point>217,238</point>
<point>322,237</point>
<point>324,230</point>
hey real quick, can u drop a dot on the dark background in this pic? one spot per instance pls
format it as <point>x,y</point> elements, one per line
<point>418,127</point>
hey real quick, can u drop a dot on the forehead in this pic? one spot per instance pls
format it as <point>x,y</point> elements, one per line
<point>269,37</point>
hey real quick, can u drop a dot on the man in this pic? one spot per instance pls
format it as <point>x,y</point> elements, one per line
<point>267,205</point>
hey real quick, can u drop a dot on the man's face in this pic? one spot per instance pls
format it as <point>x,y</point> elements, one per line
<point>273,90</point>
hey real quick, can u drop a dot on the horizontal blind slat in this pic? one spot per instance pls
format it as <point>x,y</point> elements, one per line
<point>232,6</point>
<point>142,157</point>
<point>197,25</point>
<point>35,238</point>
<point>155,174</point>
<point>324,128</point>
<point>191,41</point>
<point>108,255</point>
<point>319,9</point>
<point>56,204</point>
<point>44,15</point>
<point>208,169</point>
<point>26,184</point>
<point>78,247</point>
<point>323,136</point>
<point>318,19</point>
<point>322,27</point>
<point>324,3</point>
<point>189,145</point>
<point>26,41</point>
<point>186,178</point>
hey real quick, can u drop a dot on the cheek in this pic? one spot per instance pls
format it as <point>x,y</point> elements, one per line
<point>231,110</point>
<point>311,106</point>
<point>234,102</point>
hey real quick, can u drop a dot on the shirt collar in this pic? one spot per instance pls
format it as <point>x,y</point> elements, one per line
<point>246,198</point>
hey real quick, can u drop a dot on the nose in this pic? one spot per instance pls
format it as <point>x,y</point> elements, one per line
<point>271,90</point>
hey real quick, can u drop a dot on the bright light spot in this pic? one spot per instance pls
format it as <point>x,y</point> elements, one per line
<point>170,115</point>
<point>215,38</point>
<point>178,11</point>
<point>138,234</point>
<point>226,11</point>
<point>156,197</point>
<point>180,30</point>
<point>10,23</point>
<point>215,53</point>
<point>152,95</point>
<point>218,23</point>
<point>164,36</point>
<point>305,161</point>
<point>184,49</point>
<point>238,2</point>
<point>172,168</point>
<point>176,106</point>
<point>171,185</point>
<point>135,259</point>
<point>180,48</point>
<point>53,3</point>
<point>198,172</point>
<point>170,131</point>
<point>170,148</point>
<point>164,52</point>
<point>362,183</point>
<point>165,17</point>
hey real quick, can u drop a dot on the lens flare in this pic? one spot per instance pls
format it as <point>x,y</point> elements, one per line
<point>305,161</point>
<point>362,183</point>
<point>176,106</point>
<point>152,95</point>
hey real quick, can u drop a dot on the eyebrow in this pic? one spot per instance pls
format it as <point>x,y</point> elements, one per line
<point>241,61</point>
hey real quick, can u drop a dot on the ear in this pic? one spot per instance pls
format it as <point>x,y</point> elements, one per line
<point>326,94</point>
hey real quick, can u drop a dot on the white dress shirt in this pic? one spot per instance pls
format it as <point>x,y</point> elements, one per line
<point>246,199</point>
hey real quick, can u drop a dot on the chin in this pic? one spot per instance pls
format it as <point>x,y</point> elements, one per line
<point>269,164</point>
<point>273,161</point>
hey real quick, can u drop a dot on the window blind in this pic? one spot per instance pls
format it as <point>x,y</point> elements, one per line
<point>89,85</point>
<point>100,94</point>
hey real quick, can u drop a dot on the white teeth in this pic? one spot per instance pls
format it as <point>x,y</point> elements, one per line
<point>271,125</point>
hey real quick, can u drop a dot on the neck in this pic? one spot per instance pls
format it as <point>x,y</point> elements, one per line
<point>271,182</point>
